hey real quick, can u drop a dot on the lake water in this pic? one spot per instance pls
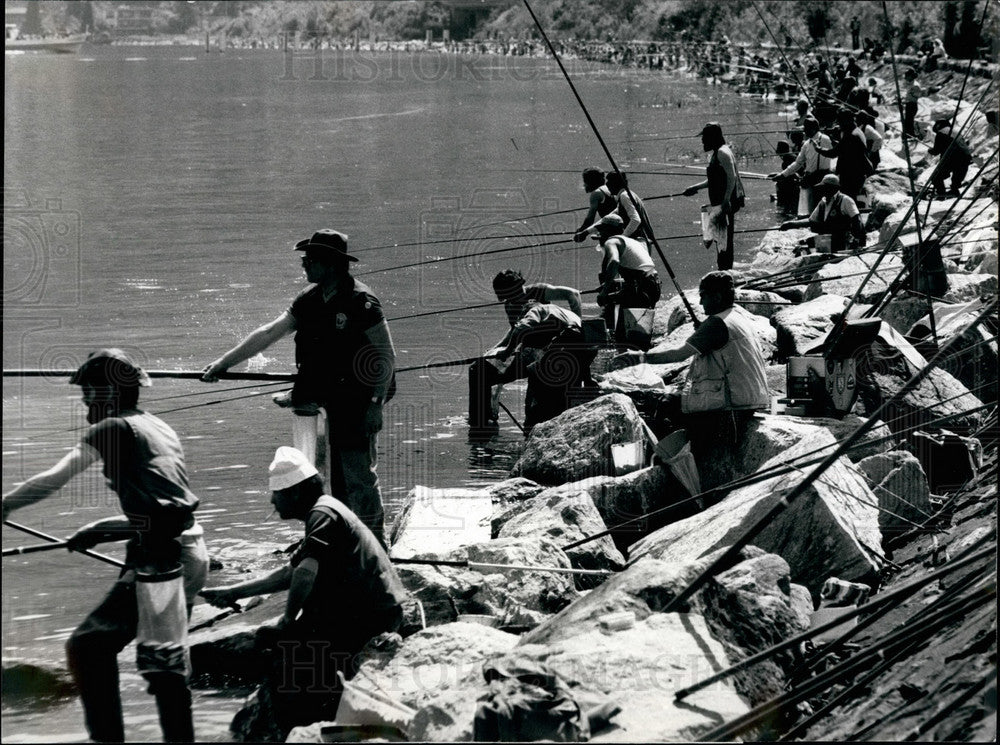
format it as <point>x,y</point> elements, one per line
<point>152,196</point>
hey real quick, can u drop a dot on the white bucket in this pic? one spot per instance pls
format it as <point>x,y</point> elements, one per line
<point>161,633</point>
<point>363,706</point>
<point>628,457</point>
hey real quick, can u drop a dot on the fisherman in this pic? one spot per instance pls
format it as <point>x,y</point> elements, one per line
<point>911,97</point>
<point>488,372</point>
<point>836,215</point>
<point>628,276</point>
<point>725,189</point>
<point>955,159</point>
<point>144,465</point>
<point>802,112</point>
<point>601,201</point>
<point>726,381</point>
<point>855,33</point>
<point>630,208</point>
<point>562,361</point>
<point>342,592</point>
<point>873,139</point>
<point>787,189</point>
<point>345,363</point>
<point>851,152</point>
<point>810,163</point>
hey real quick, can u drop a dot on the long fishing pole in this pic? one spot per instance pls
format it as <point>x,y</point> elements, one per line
<point>730,553</point>
<point>482,566</point>
<point>593,126</point>
<point>465,239</point>
<point>53,539</point>
<point>463,257</point>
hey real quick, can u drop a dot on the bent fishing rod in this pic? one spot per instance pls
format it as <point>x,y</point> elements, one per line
<point>647,229</point>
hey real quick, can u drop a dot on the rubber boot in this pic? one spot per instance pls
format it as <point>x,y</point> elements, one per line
<point>96,677</point>
<point>173,702</point>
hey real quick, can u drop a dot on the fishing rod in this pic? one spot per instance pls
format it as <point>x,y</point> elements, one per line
<point>782,469</point>
<point>463,257</point>
<point>873,607</point>
<point>743,174</point>
<point>466,239</point>
<point>689,137</point>
<point>647,229</point>
<point>727,557</point>
<point>178,374</point>
<point>60,543</point>
<point>34,548</point>
<point>469,307</point>
<point>888,645</point>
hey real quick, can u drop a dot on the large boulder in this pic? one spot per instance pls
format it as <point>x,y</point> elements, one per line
<point>844,278</point>
<point>515,597</point>
<point>577,444</point>
<point>748,607</point>
<point>883,203</point>
<point>224,651</point>
<point>828,531</point>
<point>672,313</point>
<point>631,378</point>
<point>625,500</point>
<point>439,520</point>
<point>438,672</point>
<point>760,302</point>
<point>32,684</point>
<point>775,254</point>
<point>769,435</point>
<point>800,327</point>
<point>564,517</point>
<point>893,362</point>
<point>900,484</point>
<point>965,287</point>
<point>904,310</point>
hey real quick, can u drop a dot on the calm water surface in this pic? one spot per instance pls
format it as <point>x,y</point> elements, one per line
<point>151,199</point>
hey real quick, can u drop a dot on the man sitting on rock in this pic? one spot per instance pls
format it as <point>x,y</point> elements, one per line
<point>726,382</point>
<point>836,216</point>
<point>487,372</point>
<point>342,592</point>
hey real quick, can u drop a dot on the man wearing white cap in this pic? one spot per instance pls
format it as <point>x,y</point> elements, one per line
<point>342,591</point>
<point>836,215</point>
<point>345,361</point>
<point>628,276</point>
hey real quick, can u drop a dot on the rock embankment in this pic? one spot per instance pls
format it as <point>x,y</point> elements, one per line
<point>572,563</point>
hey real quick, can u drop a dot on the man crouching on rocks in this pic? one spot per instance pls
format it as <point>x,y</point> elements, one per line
<point>726,382</point>
<point>342,592</point>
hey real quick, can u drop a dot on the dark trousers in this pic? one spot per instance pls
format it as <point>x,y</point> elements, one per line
<point>909,117</point>
<point>483,375</point>
<point>638,292</point>
<point>354,481</point>
<point>958,171</point>
<point>302,682</point>
<point>724,258</point>
<point>562,367</point>
<point>92,652</point>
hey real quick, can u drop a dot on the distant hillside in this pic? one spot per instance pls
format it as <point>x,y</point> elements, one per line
<point>800,21</point>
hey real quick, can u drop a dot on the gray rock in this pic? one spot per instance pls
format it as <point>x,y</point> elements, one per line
<point>777,380</point>
<point>820,535</point>
<point>510,595</point>
<point>225,652</point>
<point>634,377</point>
<point>775,253</point>
<point>965,287</point>
<point>844,277</point>
<point>564,517</point>
<point>671,313</point>
<point>438,672</point>
<point>903,311</point>
<point>438,520</point>
<point>800,327</point>
<point>900,484</point>
<point>513,490</point>
<point>577,444</point>
<point>884,202</point>
<point>759,302</point>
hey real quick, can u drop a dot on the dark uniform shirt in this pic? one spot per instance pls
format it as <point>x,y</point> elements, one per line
<point>355,579</point>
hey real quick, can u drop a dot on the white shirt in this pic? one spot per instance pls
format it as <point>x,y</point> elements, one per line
<point>809,160</point>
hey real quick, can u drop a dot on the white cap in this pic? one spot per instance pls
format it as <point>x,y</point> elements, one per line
<point>289,468</point>
<point>610,220</point>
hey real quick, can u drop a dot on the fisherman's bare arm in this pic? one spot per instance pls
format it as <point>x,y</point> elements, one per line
<point>675,354</point>
<point>257,341</point>
<point>302,581</point>
<point>695,188</point>
<point>276,581</point>
<point>568,295</point>
<point>595,201</point>
<point>47,483</point>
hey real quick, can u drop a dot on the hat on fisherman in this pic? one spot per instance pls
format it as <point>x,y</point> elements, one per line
<point>608,221</point>
<point>830,179</point>
<point>110,366</point>
<point>782,148</point>
<point>289,467</point>
<point>330,240</point>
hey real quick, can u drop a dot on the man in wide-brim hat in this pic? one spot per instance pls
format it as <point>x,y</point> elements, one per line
<point>345,360</point>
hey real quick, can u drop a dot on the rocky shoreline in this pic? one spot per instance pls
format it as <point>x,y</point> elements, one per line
<point>886,513</point>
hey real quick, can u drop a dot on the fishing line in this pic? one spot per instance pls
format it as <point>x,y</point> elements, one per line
<point>466,239</point>
<point>802,88</point>
<point>647,229</point>
<point>463,257</point>
<point>205,392</point>
<point>468,307</point>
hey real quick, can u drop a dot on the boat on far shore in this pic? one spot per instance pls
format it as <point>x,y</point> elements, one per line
<point>69,44</point>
